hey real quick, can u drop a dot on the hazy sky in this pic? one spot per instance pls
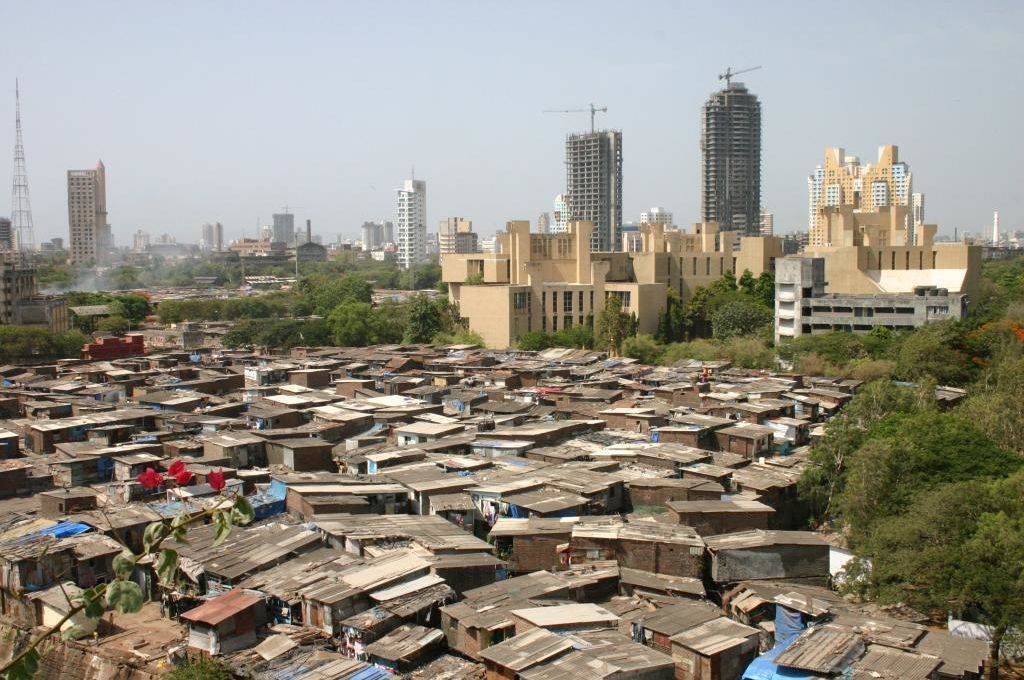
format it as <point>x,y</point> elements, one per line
<point>219,110</point>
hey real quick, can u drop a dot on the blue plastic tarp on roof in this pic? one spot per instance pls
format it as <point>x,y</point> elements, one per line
<point>788,626</point>
<point>765,668</point>
<point>370,673</point>
<point>65,529</point>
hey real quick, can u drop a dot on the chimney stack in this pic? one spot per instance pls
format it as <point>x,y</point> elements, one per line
<point>309,231</point>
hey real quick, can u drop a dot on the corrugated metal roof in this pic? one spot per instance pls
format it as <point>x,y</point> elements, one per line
<point>222,607</point>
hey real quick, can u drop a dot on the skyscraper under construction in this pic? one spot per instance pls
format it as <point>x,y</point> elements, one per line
<point>730,145</point>
<point>593,179</point>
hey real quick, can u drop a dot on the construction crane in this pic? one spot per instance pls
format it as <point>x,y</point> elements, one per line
<point>593,110</point>
<point>729,73</point>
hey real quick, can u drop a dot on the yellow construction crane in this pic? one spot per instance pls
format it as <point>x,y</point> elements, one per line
<point>593,110</point>
<point>729,73</point>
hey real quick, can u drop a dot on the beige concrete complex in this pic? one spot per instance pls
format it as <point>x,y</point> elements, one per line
<point>873,274</point>
<point>87,214</point>
<point>549,282</point>
<point>455,235</point>
<point>844,183</point>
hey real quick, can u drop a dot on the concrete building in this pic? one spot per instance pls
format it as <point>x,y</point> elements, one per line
<point>6,235</point>
<point>559,215</point>
<point>22,305</point>
<point>544,223</point>
<point>140,241</point>
<point>283,229</point>
<point>455,235</point>
<point>766,226</point>
<point>212,237</point>
<point>730,145</point>
<point>657,215</point>
<point>593,167</point>
<point>549,282</point>
<point>917,205</point>
<point>411,218</point>
<point>632,239</point>
<point>871,276</point>
<point>843,182</point>
<point>89,233</point>
<point>377,234</point>
<point>309,250</point>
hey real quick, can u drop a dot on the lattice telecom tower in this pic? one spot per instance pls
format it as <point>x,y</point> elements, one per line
<point>21,206</point>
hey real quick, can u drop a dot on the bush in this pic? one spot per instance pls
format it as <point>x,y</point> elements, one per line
<point>748,353</point>
<point>643,348</point>
<point>701,350</point>
<point>534,341</point>
<point>461,336</point>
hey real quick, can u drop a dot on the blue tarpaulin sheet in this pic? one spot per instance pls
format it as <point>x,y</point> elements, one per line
<point>65,529</point>
<point>788,626</point>
<point>371,673</point>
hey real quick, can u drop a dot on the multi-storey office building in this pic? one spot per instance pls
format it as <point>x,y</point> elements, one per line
<point>730,145</point>
<point>89,233</point>
<point>593,166</point>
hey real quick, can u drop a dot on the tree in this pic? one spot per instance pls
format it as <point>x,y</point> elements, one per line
<point>740,318</point>
<point>325,293</point>
<point>825,478</point>
<point>747,282</point>
<point>764,289</point>
<point>579,337</point>
<point>424,319</point>
<point>350,324</point>
<point>613,325</point>
<point>387,323</point>
<point>908,454</point>
<point>112,325</point>
<point>933,350</point>
<point>643,348</point>
<point>671,322</point>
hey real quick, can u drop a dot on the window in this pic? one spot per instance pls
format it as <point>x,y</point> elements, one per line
<point>520,301</point>
<point>567,302</point>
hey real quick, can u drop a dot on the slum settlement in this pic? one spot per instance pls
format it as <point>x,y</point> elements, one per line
<point>440,513</point>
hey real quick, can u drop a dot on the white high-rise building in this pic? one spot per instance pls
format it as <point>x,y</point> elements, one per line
<point>995,228</point>
<point>767,224</point>
<point>543,223</point>
<point>411,218</point>
<point>560,215</point>
<point>656,215</point>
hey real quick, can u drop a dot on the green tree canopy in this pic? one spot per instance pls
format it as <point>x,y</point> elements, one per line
<point>425,319</point>
<point>739,318</point>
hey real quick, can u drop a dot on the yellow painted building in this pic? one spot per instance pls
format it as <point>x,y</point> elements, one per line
<point>550,282</point>
<point>843,183</point>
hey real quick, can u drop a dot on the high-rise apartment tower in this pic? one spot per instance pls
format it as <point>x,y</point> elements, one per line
<point>593,166</point>
<point>411,218</point>
<point>89,233</point>
<point>843,181</point>
<point>730,145</point>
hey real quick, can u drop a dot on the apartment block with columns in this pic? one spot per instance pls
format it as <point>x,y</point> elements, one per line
<point>550,282</point>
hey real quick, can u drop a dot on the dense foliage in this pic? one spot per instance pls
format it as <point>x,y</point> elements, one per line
<point>930,499</point>
<point>35,343</point>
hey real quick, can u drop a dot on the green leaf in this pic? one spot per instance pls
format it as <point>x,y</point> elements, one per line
<point>180,534</point>
<point>93,600</point>
<point>26,667</point>
<point>180,519</point>
<point>124,596</point>
<point>167,565</point>
<point>242,513</point>
<point>74,633</point>
<point>155,533</point>
<point>223,522</point>
<point>124,564</point>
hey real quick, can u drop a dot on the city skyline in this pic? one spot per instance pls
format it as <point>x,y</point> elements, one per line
<point>230,150</point>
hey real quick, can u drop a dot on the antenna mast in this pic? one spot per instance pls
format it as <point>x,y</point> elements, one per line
<point>21,206</point>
